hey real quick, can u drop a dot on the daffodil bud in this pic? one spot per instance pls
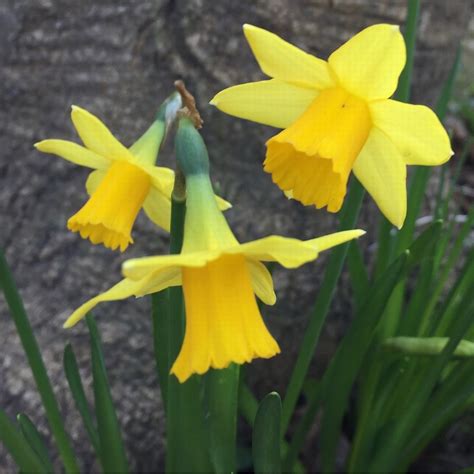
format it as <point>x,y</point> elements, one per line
<point>191,152</point>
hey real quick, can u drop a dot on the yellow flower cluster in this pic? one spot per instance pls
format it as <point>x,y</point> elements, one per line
<point>337,117</point>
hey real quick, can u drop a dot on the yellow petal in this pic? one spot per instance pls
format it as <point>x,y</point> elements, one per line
<point>274,102</point>
<point>290,253</point>
<point>138,268</point>
<point>369,64</point>
<point>415,130</point>
<point>158,208</point>
<point>282,60</point>
<point>328,241</point>
<point>161,178</point>
<point>262,282</point>
<point>96,136</point>
<point>93,180</point>
<point>124,289</point>
<point>222,204</point>
<point>74,153</point>
<point>381,170</point>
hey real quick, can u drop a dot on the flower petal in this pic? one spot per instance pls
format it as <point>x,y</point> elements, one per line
<point>139,268</point>
<point>93,180</point>
<point>262,282</point>
<point>415,130</point>
<point>381,170</point>
<point>96,136</point>
<point>290,253</point>
<point>123,289</point>
<point>282,60</point>
<point>328,241</point>
<point>369,64</point>
<point>158,208</point>
<point>74,153</point>
<point>274,102</point>
<point>126,288</point>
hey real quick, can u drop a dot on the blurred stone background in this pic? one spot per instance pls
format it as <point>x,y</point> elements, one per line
<point>119,59</point>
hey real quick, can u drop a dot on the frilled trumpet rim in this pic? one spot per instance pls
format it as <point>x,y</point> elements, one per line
<point>314,156</point>
<point>108,216</point>
<point>223,322</point>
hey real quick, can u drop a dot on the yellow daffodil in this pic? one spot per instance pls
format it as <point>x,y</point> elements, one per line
<point>124,180</point>
<point>220,278</point>
<point>338,117</point>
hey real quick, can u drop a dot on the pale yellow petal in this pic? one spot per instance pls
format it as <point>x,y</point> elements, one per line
<point>158,208</point>
<point>74,153</point>
<point>152,283</point>
<point>415,130</point>
<point>328,241</point>
<point>97,137</point>
<point>279,59</point>
<point>381,170</point>
<point>262,282</point>
<point>139,268</point>
<point>93,180</point>
<point>162,178</point>
<point>222,204</point>
<point>370,63</point>
<point>123,289</point>
<point>290,253</point>
<point>274,102</point>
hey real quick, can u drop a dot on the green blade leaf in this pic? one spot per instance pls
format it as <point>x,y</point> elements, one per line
<point>266,436</point>
<point>161,328</point>
<point>33,354</point>
<point>426,346</point>
<point>345,365</point>
<point>19,449</point>
<point>77,390</point>
<point>112,452</point>
<point>35,440</point>
<point>222,402</point>
<point>348,219</point>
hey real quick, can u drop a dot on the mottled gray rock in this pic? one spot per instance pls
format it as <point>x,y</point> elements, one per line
<point>119,59</point>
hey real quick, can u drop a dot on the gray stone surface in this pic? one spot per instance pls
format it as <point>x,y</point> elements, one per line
<point>119,59</point>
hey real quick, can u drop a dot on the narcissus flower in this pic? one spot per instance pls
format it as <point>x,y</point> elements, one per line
<point>220,278</point>
<point>124,180</point>
<point>338,117</point>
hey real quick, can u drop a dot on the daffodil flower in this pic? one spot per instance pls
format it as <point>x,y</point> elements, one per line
<point>220,278</point>
<point>337,117</point>
<point>124,180</point>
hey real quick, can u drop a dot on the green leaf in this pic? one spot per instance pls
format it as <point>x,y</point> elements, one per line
<point>346,363</point>
<point>266,436</point>
<point>348,219</point>
<point>358,272</point>
<point>112,452</point>
<point>35,440</point>
<point>161,328</point>
<point>416,396</point>
<point>18,447</point>
<point>222,403</point>
<point>426,346</point>
<point>33,354</point>
<point>75,385</point>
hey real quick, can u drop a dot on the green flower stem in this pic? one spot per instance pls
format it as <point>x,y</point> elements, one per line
<point>186,434</point>
<point>30,346</point>
<point>348,219</point>
<point>222,387</point>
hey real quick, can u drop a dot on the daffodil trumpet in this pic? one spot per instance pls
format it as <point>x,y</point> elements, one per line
<point>124,180</point>
<point>220,277</point>
<point>338,117</point>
